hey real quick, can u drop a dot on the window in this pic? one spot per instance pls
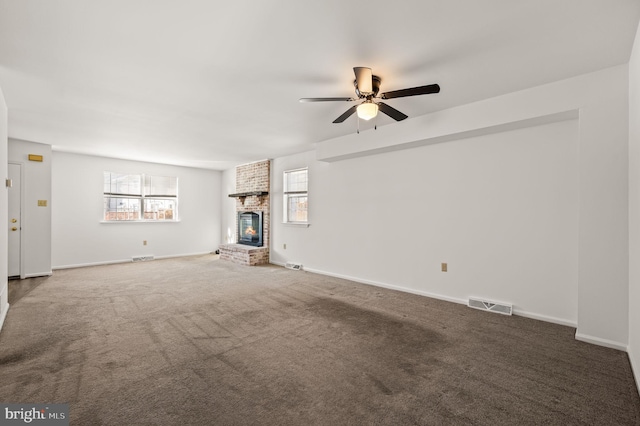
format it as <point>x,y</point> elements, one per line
<point>295,196</point>
<point>140,197</point>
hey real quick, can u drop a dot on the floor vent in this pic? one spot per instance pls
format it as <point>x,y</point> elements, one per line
<point>294,266</point>
<point>142,258</point>
<point>486,305</point>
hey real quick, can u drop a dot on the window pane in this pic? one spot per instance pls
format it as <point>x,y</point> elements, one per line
<point>116,208</point>
<point>118,183</point>
<point>155,209</point>
<point>295,180</point>
<point>297,208</point>
<point>165,186</point>
<point>125,197</point>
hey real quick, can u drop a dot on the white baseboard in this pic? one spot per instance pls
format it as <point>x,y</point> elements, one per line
<point>38,274</point>
<point>85,265</point>
<point>170,256</point>
<point>389,286</point>
<point>518,312</point>
<point>114,262</point>
<point>545,318</point>
<point>635,368</point>
<point>601,342</point>
<point>4,297</point>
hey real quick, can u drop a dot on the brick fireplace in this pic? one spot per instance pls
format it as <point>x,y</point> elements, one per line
<point>252,202</point>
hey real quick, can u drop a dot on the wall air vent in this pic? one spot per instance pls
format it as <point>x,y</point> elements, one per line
<point>141,258</point>
<point>487,305</point>
<point>294,266</point>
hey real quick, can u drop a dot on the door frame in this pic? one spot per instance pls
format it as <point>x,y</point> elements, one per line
<point>21,218</point>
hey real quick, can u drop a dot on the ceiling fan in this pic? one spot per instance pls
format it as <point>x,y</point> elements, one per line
<point>367,88</point>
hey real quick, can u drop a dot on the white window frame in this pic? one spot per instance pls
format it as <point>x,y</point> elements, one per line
<point>141,200</point>
<point>286,194</point>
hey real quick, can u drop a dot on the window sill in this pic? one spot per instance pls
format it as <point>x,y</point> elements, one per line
<point>140,221</point>
<point>296,225</point>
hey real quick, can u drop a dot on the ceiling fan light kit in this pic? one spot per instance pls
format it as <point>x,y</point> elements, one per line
<point>367,110</point>
<point>367,87</point>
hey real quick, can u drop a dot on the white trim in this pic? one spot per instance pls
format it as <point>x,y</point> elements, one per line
<point>114,262</point>
<point>297,224</point>
<point>3,315</point>
<point>602,342</point>
<point>296,169</point>
<point>84,265</point>
<point>23,209</point>
<point>384,285</point>
<point>635,369</point>
<point>545,318</point>
<point>39,274</point>
<point>171,256</point>
<point>4,295</point>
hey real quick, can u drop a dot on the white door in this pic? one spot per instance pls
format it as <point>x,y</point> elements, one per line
<point>14,220</point>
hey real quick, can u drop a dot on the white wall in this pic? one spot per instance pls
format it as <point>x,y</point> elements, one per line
<point>486,268</point>
<point>36,220</point>
<point>634,208</point>
<point>228,223</point>
<point>4,212</point>
<point>79,238</point>
<point>500,209</point>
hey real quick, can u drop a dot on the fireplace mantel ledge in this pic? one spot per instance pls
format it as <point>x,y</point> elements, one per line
<point>249,194</point>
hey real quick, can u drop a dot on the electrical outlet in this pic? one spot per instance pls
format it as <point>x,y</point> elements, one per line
<point>144,243</point>
<point>284,246</point>
<point>444,267</point>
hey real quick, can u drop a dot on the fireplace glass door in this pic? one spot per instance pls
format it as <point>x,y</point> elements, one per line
<point>250,228</point>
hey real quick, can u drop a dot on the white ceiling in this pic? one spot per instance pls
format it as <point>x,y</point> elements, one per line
<point>213,84</point>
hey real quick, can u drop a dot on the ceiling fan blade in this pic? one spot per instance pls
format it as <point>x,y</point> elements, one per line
<point>348,113</point>
<point>421,90</point>
<point>364,79</point>
<point>391,112</point>
<point>326,99</point>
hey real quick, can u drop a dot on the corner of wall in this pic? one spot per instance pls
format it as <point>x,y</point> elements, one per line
<point>228,220</point>
<point>634,209</point>
<point>4,212</point>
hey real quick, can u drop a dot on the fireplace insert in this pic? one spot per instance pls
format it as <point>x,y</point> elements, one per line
<point>250,228</point>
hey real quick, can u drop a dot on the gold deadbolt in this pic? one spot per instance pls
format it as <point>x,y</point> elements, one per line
<point>14,220</point>
<point>14,229</point>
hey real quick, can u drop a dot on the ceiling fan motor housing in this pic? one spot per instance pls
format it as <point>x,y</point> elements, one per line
<point>375,84</point>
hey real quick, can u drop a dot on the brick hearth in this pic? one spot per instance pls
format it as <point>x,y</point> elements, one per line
<point>244,255</point>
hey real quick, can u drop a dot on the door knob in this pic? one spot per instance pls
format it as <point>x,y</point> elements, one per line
<point>14,229</point>
<point>14,220</point>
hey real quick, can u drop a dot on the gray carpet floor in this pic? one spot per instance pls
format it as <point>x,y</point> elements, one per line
<point>200,341</point>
